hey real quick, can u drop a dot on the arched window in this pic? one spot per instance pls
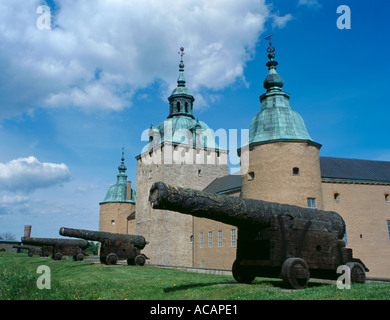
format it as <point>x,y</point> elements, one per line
<point>336,197</point>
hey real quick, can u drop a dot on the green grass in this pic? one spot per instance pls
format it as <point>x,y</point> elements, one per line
<point>72,280</point>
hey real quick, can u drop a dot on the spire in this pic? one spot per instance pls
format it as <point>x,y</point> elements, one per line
<point>276,120</point>
<point>273,80</point>
<point>181,82</point>
<point>122,168</point>
<point>181,100</point>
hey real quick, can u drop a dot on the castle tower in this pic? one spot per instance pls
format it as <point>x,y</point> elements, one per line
<point>284,164</point>
<point>182,152</point>
<point>118,207</point>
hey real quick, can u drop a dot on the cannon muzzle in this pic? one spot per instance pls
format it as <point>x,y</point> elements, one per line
<point>138,241</point>
<point>239,212</point>
<point>83,244</point>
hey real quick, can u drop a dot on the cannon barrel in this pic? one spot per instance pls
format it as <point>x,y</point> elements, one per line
<point>239,212</point>
<point>55,242</point>
<point>138,241</point>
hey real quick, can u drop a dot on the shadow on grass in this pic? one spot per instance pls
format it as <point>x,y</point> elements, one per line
<point>263,284</point>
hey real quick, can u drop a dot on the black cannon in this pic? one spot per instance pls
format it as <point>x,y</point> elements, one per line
<point>274,240</point>
<point>114,246</point>
<point>59,247</point>
<point>31,250</point>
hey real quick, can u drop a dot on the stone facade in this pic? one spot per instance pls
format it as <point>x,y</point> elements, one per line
<point>169,233</point>
<point>366,213</point>
<point>285,172</point>
<point>114,217</point>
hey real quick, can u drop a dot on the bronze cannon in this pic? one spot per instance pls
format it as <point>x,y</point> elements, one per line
<point>59,247</point>
<point>114,246</point>
<point>274,240</point>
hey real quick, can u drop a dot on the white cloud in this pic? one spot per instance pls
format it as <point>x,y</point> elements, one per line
<point>309,3</point>
<point>29,174</point>
<point>281,22</point>
<point>99,52</point>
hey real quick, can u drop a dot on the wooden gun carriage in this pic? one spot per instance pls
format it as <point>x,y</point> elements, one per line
<point>59,247</point>
<point>114,246</point>
<point>274,240</point>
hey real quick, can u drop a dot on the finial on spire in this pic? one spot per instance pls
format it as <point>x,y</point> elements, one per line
<point>181,52</point>
<point>123,154</point>
<point>270,49</point>
<point>181,81</point>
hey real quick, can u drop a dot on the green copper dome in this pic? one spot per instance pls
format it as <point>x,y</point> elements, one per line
<point>181,125</point>
<point>118,191</point>
<point>276,120</point>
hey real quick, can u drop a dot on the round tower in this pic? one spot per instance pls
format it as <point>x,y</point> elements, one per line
<point>283,160</point>
<point>118,207</point>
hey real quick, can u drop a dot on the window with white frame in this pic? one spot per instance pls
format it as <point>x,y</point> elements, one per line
<point>234,238</point>
<point>201,239</point>
<point>388,227</point>
<point>219,238</point>
<point>210,239</point>
<point>311,203</point>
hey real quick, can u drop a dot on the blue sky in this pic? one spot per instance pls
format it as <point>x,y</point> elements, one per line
<point>73,95</point>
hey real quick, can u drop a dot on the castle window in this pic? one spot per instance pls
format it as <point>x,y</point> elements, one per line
<point>210,239</point>
<point>150,174</point>
<point>219,238</point>
<point>251,176</point>
<point>387,197</point>
<point>388,227</point>
<point>295,171</point>
<point>191,239</point>
<point>178,106</point>
<point>201,239</point>
<point>199,173</point>
<point>186,107</point>
<point>113,222</point>
<point>202,264</point>
<point>234,238</point>
<point>336,197</point>
<point>311,203</point>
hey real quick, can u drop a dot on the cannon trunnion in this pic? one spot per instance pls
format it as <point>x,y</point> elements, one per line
<point>58,248</point>
<point>274,240</point>
<point>114,246</point>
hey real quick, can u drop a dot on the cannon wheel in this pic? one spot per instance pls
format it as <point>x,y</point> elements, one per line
<point>140,260</point>
<point>57,256</point>
<point>358,274</point>
<point>237,274</point>
<point>79,257</point>
<point>295,273</point>
<point>111,259</point>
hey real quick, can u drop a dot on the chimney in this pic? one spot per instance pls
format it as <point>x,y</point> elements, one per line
<point>27,231</point>
<point>128,195</point>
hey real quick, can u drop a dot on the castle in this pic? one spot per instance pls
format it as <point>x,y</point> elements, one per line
<point>282,164</point>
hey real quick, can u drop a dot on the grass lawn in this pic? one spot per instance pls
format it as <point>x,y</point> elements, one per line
<point>70,280</point>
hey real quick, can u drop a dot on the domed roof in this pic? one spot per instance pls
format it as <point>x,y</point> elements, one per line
<point>118,191</point>
<point>183,129</point>
<point>181,125</point>
<point>276,120</point>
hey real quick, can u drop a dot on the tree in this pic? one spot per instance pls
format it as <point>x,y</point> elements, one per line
<point>7,236</point>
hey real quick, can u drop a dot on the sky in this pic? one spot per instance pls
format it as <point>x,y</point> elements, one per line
<point>86,81</point>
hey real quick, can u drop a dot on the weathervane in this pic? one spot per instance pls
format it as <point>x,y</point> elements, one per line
<point>181,52</point>
<point>270,49</point>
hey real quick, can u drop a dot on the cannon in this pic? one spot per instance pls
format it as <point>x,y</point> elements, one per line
<point>31,250</point>
<point>114,246</point>
<point>59,247</point>
<point>274,240</point>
